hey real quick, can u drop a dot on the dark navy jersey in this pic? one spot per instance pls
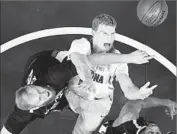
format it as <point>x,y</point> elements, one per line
<point>42,69</point>
<point>129,127</point>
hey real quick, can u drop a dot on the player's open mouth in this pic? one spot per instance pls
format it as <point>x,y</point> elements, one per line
<point>107,44</point>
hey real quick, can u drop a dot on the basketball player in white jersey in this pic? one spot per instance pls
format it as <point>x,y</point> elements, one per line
<point>92,110</point>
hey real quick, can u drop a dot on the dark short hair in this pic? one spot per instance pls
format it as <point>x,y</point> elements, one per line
<point>103,19</point>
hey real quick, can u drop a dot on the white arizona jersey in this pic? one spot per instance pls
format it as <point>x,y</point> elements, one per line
<point>102,75</point>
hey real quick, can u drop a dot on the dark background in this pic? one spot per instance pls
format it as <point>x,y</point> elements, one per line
<point>19,18</point>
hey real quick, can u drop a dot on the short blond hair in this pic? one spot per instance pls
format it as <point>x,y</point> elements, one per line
<point>103,19</point>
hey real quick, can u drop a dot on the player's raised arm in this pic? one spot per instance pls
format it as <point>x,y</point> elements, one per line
<point>136,57</point>
<point>131,91</point>
<point>80,54</point>
<point>131,109</point>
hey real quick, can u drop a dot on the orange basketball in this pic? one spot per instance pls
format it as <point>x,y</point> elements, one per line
<point>152,12</point>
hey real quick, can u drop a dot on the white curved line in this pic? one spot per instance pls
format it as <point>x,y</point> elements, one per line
<point>44,33</point>
<point>160,58</point>
<point>86,31</point>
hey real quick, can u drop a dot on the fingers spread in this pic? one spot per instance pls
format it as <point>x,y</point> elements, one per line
<point>153,87</point>
<point>146,85</point>
<point>148,57</point>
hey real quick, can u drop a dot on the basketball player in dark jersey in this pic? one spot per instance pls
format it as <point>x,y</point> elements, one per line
<point>129,121</point>
<point>45,77</point>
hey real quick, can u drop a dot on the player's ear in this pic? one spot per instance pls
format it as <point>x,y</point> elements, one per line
<point>93,32</point>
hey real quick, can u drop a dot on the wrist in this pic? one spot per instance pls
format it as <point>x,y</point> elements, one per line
<point>128,58</point>
<point>167,103</point>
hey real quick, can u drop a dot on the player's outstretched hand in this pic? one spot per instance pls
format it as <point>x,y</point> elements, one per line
<point>171,109</point>
<point>146,90</point>
<point>140,57</point>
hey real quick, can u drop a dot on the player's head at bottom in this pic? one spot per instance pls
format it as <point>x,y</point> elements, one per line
<point>32,97</point>
<point>151,128</point>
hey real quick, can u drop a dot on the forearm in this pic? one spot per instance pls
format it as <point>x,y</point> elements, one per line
<point>155,102</point>
<point>108,58</point>
<point>131,92</point>
<point>82,65</point>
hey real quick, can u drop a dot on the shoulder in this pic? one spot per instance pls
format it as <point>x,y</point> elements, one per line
<point>81,41</point>
<point>81,46</point>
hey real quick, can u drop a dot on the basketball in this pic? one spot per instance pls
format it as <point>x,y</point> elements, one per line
<point>152,12</point>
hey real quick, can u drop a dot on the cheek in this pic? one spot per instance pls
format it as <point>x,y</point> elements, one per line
<point>103,39</point>
<point>99,39</point>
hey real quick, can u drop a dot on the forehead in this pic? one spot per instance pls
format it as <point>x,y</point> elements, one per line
<point>106,28</point>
